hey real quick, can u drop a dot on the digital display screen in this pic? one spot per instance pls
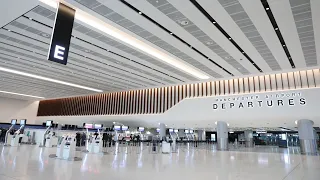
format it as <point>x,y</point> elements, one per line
<point>191,131</point>
<point>23,122</point>
<point>158,129</point>
<point>124,128</point>
<point>141,129</point>
<point>49,123</point>
<point>98,126</point>
<point>186,131</point>
<point>170,130</point>
<point>117,128</point>
<point>176,130</point>
<point>88,126</point>
<point>13,121</point>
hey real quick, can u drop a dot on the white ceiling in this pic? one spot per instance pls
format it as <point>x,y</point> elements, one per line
<point>99,61</point>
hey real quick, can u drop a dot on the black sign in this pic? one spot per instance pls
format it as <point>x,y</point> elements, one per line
<point>60,40</point>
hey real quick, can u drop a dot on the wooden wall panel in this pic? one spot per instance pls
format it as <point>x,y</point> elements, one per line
<point>158,100</point>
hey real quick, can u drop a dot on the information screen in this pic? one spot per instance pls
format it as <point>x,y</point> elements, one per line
<point>176,130</point>
<point>191,131</point>
<point>49,123</point>
<point>13,121</point>
<point>186,131</point>
<point>23,122</point>
<point>158,129</point>
<point>141,129</point>
<point>98,126</point>
<point>124,128</point>
<point>117,128</point>
<point>170,130</point>
<point>88,126</point>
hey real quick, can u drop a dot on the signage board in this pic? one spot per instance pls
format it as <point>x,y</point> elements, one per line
<point>124,128</point>
<point>88,126</point>
<point>98,126</point>
<point>61,34</point>
<point>49,123</point>
<point>117,128</point>
<point>170,130</point>
<point>23,122</point>
<point>13,121</point>
<point>140,129</point>
<point>176,130</point>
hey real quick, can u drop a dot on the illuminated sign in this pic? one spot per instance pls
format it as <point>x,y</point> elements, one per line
<point>13,121</point>
<point>141,129</point>
<point>61,34</point>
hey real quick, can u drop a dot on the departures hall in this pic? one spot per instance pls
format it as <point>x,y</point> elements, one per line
<point>159,89</point>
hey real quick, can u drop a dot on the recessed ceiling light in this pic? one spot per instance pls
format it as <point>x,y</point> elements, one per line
<point>45,35</point>
<point>140,12</point>
<point>6,92</point>
<point>171,33</point>
<point>242,52</point>
<point>284,45</point>
<point>267,8</point>
<point>184,23</point>
<point>214,22</point>
<point>48,79</point>
<point>30,18</point>
<point>276,29</point>
<point>128,39</point>
<point>9,30</point>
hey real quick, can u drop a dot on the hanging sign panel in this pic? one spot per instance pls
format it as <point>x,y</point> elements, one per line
<point>61,35</point>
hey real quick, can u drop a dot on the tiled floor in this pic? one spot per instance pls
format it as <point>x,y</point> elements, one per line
<point>33,163</point>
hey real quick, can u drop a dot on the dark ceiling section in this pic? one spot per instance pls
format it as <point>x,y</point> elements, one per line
<point>277,30</point>
<point>216,24</point>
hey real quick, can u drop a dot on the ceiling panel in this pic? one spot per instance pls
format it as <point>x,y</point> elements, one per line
<point>184,33</point>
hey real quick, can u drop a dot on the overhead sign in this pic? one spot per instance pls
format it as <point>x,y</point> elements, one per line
<point>61,34</point>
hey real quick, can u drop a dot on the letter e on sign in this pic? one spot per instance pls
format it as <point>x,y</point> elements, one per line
<point>59,52</point>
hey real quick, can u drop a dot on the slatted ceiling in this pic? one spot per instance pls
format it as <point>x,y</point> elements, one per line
<point>241,18</point>
<point>142,33</point>
<point>171,12</point>
<point>76,26</point>
<point>301,10</point>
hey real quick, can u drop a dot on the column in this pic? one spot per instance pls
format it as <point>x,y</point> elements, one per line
<point>162,132</point>
<point>308,143</point>
<point>248,137</point>
<point>201,135</point>
<point>222,136</point>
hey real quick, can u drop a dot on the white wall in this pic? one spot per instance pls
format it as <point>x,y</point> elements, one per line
<point>18,109</point>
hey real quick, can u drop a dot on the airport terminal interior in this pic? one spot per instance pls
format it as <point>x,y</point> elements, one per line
<point>159,89</point>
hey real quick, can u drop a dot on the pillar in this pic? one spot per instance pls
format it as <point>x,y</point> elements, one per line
<point>222,136</point>
<point>248,137</point>
<point>162,132</point>
<point>308,143</point>
<point>201,135</point>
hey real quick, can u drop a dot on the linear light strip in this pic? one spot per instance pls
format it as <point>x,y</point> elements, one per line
<point>6,92</point>
<point>122,36</point>
<point>48,79</point>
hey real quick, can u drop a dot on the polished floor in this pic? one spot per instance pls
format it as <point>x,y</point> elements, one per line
<point>33,163</point>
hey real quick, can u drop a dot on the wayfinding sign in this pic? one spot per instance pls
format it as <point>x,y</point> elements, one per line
<point>61,34</point>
